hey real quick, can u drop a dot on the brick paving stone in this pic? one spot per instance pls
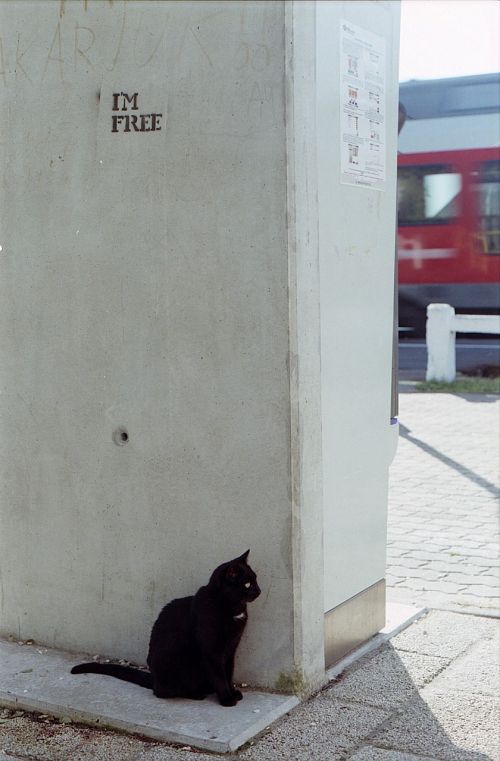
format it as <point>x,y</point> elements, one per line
<point>438,586</point>
<point>488,554</point>
<point>459,577</point>
<point>488,562</point>
<point>428,574</point>
<point>399,571</point>
<point>412,564</point>
<point>494,573</point>
<point>403,571</point>
<point>443,508</point>
<point>451,567</point>
<point>424,555</point>
<point>478,591</point>
<point>392,581</point>
<point>473,581</point>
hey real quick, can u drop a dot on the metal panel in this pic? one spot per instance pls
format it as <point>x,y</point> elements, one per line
<point>349,625</point>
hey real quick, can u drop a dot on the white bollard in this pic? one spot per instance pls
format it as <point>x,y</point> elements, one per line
<point>440,339</point>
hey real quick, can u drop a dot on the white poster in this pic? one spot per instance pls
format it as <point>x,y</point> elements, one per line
<point>362,107</point>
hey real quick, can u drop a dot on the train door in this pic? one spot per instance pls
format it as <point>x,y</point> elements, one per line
<point>431,234</point>
<point>486,189</point>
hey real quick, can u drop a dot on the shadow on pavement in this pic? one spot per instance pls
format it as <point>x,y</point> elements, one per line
<point>479,398</point>
<point>426,720</point>
<point>462,469</point>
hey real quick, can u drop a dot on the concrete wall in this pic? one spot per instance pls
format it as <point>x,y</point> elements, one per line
<point>163,283</point>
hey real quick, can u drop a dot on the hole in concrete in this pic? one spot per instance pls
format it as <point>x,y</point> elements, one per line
<point>120,436</point>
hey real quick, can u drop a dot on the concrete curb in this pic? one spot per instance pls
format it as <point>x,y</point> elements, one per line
<point>38,679</point>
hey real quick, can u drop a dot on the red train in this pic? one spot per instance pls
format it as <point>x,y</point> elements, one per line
<point>449,197</point>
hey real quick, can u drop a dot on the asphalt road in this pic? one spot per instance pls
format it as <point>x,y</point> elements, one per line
<point>471,355</point>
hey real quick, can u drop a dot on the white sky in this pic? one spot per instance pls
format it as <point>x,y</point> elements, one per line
<point>449,38</point>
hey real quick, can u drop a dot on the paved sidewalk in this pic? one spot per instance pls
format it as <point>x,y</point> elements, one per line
<point>443,540</point>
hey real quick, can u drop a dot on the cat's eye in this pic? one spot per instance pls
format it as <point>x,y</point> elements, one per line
<point>248,585</point>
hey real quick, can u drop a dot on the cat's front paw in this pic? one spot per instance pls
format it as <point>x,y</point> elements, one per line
<point>237,694</point>
<point>228,701</point>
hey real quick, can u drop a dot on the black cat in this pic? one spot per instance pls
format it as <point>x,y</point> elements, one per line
<point>194,639</point>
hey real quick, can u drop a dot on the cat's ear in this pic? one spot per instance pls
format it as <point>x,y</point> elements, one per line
<point>232,571</point>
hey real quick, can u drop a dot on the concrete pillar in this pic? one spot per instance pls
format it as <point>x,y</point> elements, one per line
<point>193,289</point>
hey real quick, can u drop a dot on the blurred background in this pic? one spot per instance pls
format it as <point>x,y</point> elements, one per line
<point>449,175</point>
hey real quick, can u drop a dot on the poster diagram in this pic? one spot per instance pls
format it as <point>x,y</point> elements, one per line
<point>362,107</point>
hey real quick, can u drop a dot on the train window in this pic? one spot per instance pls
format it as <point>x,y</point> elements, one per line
<point>427,194</point>
<point>487,187</point>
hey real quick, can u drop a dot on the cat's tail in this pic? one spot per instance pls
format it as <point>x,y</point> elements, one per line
<point>126,673</point>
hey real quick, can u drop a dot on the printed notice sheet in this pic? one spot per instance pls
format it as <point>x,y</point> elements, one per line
<point>362,107</point>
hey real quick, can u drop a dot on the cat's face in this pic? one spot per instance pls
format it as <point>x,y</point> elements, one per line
<point>239,580</point>
<point>240,576</point>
